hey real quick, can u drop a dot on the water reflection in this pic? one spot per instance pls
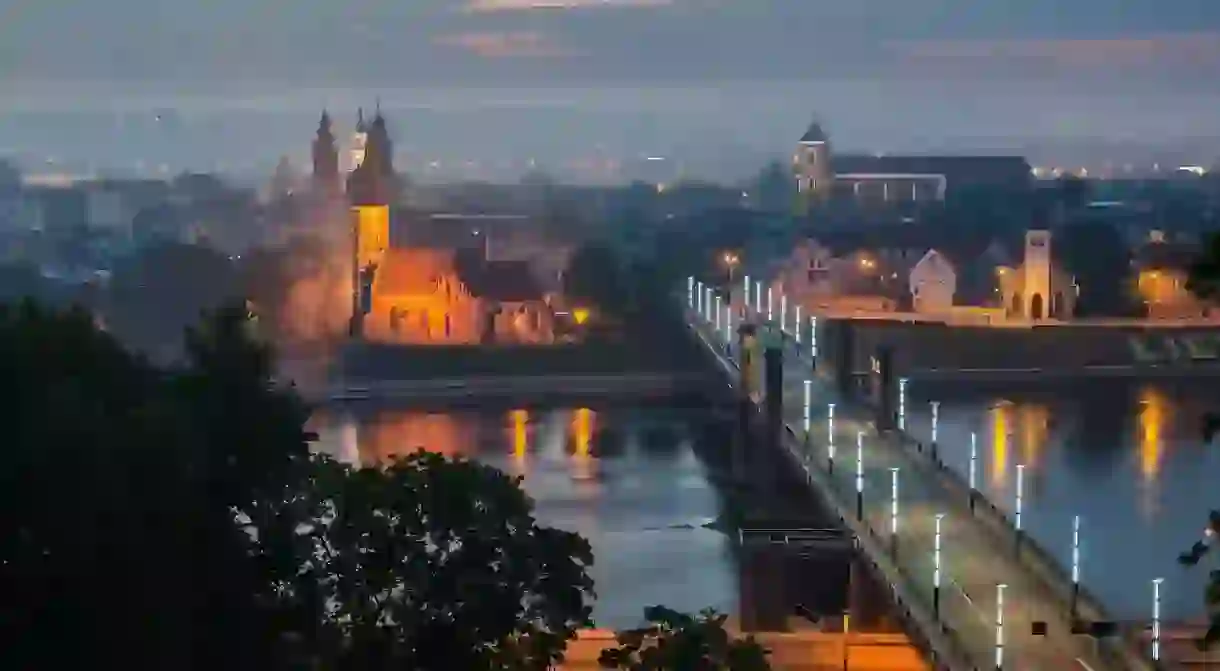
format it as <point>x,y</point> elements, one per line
<point>1127,457</point>
<point>1000,421</point>
<point>642,510</point>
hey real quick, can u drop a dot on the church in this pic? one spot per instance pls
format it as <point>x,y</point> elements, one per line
<point>416,295</point>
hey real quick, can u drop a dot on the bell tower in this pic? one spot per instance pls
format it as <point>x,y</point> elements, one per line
<point>369,191</point>
<point>811,164</point>
<point>1037,271</point>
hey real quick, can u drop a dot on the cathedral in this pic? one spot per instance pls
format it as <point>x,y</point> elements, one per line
<point>420,295</point>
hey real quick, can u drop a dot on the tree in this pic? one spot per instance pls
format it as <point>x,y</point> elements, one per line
<point>673,641</point>
<point>596,274</point>
<point>775,187</point>
<point>1095,253</point>
<point>429,563</point>
<point>1211,593</point>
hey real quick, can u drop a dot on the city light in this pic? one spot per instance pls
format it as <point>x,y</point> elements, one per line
<point>770,306</point>
<point>808,400</point>
<point>758,297</point>
<point>999,626</point>
<point>902,404</point>
<point>1156,619</point>
<point>935,422</point>
<point>796,321</point>
<point>717,313</point>
<point>707,304</point>
<point>690,292</point>
<point>813,337</point>
<point>783,313</point>
<point>745,288</point>
<point>860,475</point>
<point>830,437</point>
<point>699,298</point>
<point>728,324</point>
<point>1020,495</point>
<point>1075,563</point>
<point>974,468</point>
<point>894,502</point>
<point>936,566</point>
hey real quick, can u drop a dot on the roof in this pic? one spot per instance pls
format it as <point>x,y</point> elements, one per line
<point>957,169</point>
<point>814,134</point>
<point>508,281</point>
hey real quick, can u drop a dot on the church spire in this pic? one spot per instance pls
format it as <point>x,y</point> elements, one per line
<point>325,155</point>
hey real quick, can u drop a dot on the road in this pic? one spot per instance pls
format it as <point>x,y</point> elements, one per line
<point>974,560</point>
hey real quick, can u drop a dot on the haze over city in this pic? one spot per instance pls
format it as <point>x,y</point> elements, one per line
<point>721,86</point>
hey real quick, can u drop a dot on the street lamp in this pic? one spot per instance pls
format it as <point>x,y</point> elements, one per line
<point>936,567</point>
<point>935,427</point>
<point>783,313</point>
<point>999,626</point>
<point>1156,619</point>
<point>974,468</point>
<point>1075,563</point>
<point>1020,501</point>
<point>796,322</point>
<point>808,400</point>
<point>690,291</point>
<point>813,338</point>
<point>699,298</point>
<point>758,297</point>
<point>902,404</point>
<point>894,509</point>
<point>717,313</point>
<point>745,291</point>
<point>860,475</point>
<point>830,437</point>
<point>770,306</point>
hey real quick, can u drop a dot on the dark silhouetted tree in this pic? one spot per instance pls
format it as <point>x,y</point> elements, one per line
<point>674,641</point>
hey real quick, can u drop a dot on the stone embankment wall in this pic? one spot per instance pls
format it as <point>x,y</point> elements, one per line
<point>930,349</point>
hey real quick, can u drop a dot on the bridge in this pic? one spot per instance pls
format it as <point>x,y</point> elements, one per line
<point>975,592</point>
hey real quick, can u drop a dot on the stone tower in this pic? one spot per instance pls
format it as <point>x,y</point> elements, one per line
<point>811,163</point>
<point>370,191</point>
<point>1037,271</point>
<point>360,139</point>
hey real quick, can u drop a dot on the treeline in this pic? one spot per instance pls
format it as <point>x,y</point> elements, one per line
<point>174,517</point>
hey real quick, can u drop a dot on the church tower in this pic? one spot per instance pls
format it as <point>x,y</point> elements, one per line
<point>359,140</point>
<point>811,165</point>
<point>1037,270</point>
<point>325,158</point>
<point>370,191</point>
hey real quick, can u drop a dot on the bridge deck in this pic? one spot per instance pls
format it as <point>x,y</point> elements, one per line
<point>976,556</point>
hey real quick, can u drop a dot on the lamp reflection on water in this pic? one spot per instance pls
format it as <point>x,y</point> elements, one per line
<point>584,423</point>
<point>1035,425</point>
<point>1154,407</point>
<point>1000,421</point>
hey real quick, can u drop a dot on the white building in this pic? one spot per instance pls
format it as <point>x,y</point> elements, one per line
<point>933,283</point>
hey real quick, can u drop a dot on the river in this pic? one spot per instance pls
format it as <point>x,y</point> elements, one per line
<point>642,502</point>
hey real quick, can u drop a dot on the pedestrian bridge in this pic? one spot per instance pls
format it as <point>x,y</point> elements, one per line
<point>975,592</point>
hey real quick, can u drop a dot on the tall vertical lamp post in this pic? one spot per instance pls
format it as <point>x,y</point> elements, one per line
<point>699,298</point>
<point>783,313</point>
<point>770,305</point>
<point>974,468</point>
<point>813,339</point>
<point>717,313</point>
<point>902,403</point>
<point>1018,509</point>
<point>1075,564</point>
<point>935,427</point>
<point>806,417</point>
<point>830,438</point>
<point>796,323</point>
<point>1156,620</point>
<point>690,292</point>
<point>894,510</point>
<point>758,306</point>
<point>936,566</point>
<point>999,626</point>
<point>860,475</point>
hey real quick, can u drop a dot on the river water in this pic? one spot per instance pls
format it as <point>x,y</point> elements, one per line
<point>627,480</point>
<point>1127,457</point>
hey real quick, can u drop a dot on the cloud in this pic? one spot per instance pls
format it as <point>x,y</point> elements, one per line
<point>1123,54</point>
<point>504,44</point>
<point>488,6</point>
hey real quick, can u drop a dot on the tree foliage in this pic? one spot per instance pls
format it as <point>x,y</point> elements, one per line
<point>1211,593</point>
<point>173,518</point>
<point>674,641</point>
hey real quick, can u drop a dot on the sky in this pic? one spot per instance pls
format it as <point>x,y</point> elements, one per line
<point>877,73</point>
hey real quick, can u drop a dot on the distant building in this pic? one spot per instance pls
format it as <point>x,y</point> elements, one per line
<point>823,175</point>
<point>1039,288</point>
<point>933,283</point>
